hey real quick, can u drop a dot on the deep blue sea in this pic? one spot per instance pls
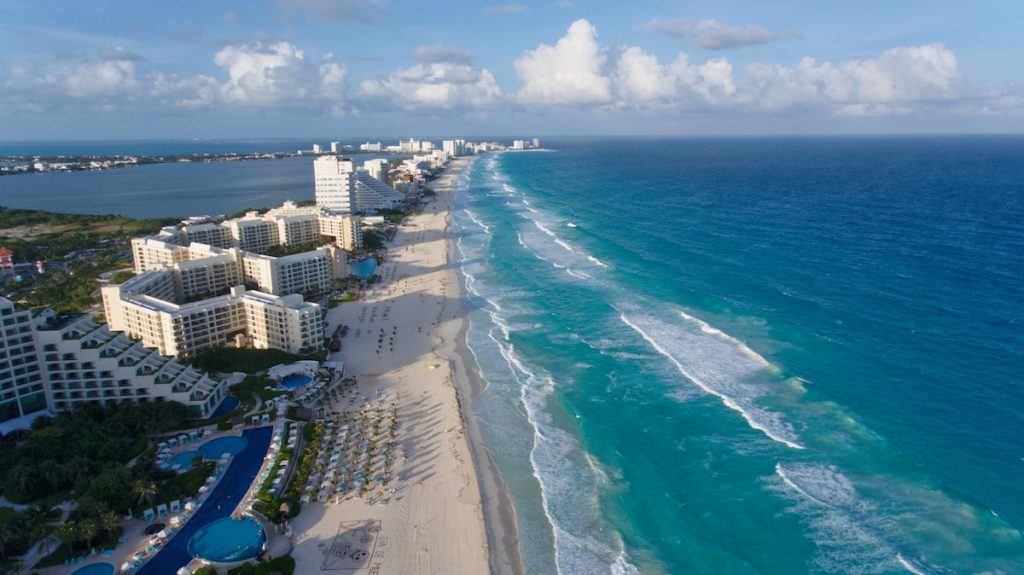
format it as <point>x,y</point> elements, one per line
<point>768,356</point>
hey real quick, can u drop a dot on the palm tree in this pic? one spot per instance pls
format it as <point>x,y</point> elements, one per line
<point>38,518</point>
<point>88,529</point>
<point>109,522</point>
<point>144,491</point>
<point>68,533</point>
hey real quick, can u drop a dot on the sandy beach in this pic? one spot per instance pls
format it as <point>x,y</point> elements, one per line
<point>450,513</point>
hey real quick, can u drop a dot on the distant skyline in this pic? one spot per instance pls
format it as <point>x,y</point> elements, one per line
<point>292,68</point>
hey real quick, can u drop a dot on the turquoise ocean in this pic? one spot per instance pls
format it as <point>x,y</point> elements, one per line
<point>750,355</point>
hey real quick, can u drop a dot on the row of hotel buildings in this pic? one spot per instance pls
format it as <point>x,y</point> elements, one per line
<point>198,285</point>
<point>202,284</point>
<point>51,363</point>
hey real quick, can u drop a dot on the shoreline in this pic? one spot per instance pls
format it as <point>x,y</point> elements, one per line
<point>449,511</point>
<point>504,554</point>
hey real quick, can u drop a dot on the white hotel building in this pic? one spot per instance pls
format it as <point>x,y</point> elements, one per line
<point>51,363</point>
<point>341,188</point>
<point>201,301</point>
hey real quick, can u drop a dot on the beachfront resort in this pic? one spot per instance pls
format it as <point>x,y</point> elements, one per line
<point>266,393</point>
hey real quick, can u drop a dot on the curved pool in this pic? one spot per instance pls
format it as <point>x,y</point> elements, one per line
<point>226,406</point>
<point>295,381</point>
<point>95,569</point>
<point>184,460</point>
<point>228,540</point>
<point>217,448</point>
<point>363,269</point>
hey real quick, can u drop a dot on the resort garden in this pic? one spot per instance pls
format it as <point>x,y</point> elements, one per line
<point>97,458</point>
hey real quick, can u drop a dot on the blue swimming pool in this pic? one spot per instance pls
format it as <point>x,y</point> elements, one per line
<point>217,448</point>
<point>183,461</point>
<point>222,502</point>
<point>295,381</point>
<point>228,540</point>
<point>211,451</point>
<point>95,569</point>
<point>363,269</point>
<point>226,406</point>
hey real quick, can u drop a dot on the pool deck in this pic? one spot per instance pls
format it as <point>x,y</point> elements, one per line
<point>222,502</point>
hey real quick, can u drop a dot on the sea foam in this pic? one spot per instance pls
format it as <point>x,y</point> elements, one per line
<point>717,364</point>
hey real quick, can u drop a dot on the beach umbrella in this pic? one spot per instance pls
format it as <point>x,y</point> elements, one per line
<point>125,567</point>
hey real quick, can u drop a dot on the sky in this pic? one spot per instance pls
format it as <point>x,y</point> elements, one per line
<point>103,69</point>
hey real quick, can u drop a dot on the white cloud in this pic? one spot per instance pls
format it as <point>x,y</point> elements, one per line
<point>278,74</point>
<point>436,86</point>
<point>578,71</point>
<point>569,73</point>
<point>439,53</point>
<point>640,77</point>
<point>889,83</point>
<point>97,80</point>
<point>190,93</point>
<point>712,80</point>
<point>714,35</point>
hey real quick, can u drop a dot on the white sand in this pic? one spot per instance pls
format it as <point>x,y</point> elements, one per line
<point>435,523</point>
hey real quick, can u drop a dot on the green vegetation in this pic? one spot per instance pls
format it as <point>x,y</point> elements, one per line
<point>279,251</point>
<point>284,565</point>
<point>70,289</point>
<point>89,245</point>
<point>253,386</point>
<point>72,449</point>
<point>205,571</point>
<point>122,276</point>
<point>312,436</point>
<point>373,240</point>
<point>393,216</point>
<point>79,536</point>
<point>349,296</point>
<point>88,451</point>
<point>19,529</point>
<point>243,359</point>
<point>266,502</point>
<point>185,485</point>
<point>38,235</point>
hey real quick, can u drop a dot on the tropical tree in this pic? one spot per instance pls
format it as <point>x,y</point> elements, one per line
<point>144,491</point>
<point>68,533</point>
<point>38,519</point>
<point>88,530</point>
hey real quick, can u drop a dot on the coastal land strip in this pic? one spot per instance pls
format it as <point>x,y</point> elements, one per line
<point>451,512</point>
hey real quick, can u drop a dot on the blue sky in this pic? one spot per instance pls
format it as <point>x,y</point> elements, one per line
<point>353,68</point>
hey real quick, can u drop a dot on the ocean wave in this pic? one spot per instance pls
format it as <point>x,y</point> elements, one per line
<point>568,492</point>
<point>565,268</point>
<point>716,365</point>
<point>567,478</point>
<point>476,220</point>
<point>852,534</point>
